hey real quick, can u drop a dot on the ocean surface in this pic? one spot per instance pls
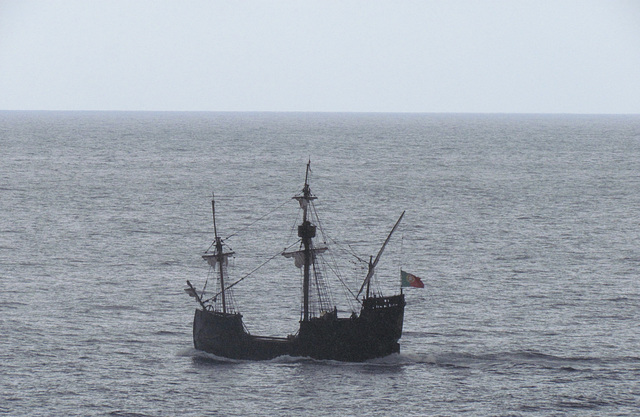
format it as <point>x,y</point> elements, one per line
<point>525,230</point>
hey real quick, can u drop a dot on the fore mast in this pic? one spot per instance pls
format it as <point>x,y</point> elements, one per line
<point>218,257</point>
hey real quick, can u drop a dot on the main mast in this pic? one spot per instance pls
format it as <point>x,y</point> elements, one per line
<point>306,231</point>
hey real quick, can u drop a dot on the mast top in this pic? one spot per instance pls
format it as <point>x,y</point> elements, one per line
<point>213,211</point>
<point>306,190</point>
<point>306,176</point>
<point>218,255</point>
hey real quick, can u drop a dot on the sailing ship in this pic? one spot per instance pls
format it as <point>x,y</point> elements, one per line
<point>371,332</point>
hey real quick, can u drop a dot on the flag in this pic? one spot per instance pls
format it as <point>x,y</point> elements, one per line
<point>410,280</point>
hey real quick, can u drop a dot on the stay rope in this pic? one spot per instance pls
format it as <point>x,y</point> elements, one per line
<point>250,273</point>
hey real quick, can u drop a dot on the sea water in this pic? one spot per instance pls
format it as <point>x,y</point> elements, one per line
<point>525,230</point>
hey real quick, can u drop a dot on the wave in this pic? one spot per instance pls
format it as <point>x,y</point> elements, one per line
<point>204,357</point>
<point>517,357</point>
<point>116,307</point>
<point>120,413</point>
<point>12,304</point>
<point>167,333</point>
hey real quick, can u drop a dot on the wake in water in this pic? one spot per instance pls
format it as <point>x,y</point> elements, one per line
<point>524,358</point>
<point>204,357</point>
<point>391,360</point>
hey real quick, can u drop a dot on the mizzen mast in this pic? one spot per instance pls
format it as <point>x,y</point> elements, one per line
<point>373,263</point>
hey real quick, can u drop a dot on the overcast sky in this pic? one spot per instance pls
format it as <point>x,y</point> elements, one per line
<point>506,56</point>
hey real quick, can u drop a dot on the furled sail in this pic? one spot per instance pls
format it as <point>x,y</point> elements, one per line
<point>212,258</point>
<point>298,256</point>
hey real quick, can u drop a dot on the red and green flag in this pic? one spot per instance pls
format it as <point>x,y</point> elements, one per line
<point>410,280</point>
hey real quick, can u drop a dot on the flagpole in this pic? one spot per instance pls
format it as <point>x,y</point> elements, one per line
<point>401,259</point>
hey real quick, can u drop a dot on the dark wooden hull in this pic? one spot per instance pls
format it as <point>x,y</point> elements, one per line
<point>224,335</point>
<point>372,334</point>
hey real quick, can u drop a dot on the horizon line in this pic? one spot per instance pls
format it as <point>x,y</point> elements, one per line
<point>319,112</point>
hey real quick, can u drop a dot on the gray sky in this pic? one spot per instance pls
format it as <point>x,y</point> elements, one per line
<point>507,56</point>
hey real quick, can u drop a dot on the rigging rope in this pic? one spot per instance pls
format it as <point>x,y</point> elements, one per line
<point>257,220</point>
<point>248,226</point>
<point>334,268</point>
<point>250,273</point>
